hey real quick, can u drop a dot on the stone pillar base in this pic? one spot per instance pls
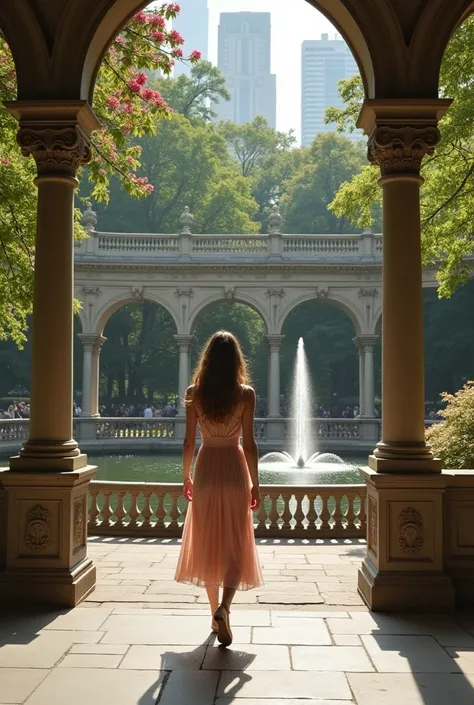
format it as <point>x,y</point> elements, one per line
<point>45,556</point>
<point>25,463</point>
<point>412,462</point>
<point>459,534</point>
<point>404,591</point>
<point>61,587</point>
<point>403,569</point>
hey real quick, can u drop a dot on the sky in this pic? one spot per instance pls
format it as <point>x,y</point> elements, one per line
<point>289,30</point>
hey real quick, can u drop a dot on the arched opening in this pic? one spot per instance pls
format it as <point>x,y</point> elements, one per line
<point>138,361</point>
<point>328,334</point>
<point>249,327</point>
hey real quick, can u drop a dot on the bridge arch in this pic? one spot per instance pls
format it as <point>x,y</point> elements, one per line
<point>115,303</point>
<point>332,299</point>
<point>219,298</point>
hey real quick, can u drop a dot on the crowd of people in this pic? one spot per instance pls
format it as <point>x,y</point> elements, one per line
<point>147,411</point>
<point>16,410</point>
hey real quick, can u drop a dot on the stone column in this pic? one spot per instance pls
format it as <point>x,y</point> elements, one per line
<point>404,564</point>
<point>90,375</point>
<point>274,344</point>
<point>184,341</point>
<point>46,555</point>
<point>360,352</point>
<point>366,345</point>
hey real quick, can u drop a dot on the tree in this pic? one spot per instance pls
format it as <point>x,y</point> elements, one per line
<point>194,96</point>
<point>452,441</point>
<point>329,162</point>
<point>127,107</point>
<point>188,165</point>
<point>447,199</point>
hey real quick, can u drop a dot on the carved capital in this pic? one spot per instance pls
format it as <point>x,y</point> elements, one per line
<point>400,150</point>
<point>274,342</point>
<point>92,343</point>
<point>184,341</point>
<point>57,150</point>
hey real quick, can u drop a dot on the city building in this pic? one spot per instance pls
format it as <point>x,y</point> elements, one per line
<point>244,59</point>
<point>193,25</point>
<point>324,62</point>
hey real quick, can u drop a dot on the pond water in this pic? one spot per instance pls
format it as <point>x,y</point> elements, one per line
<point>161,467</point>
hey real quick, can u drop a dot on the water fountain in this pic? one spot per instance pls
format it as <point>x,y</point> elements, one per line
<point>304,465</point>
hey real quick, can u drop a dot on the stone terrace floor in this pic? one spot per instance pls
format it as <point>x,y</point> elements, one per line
<point>303,639</point>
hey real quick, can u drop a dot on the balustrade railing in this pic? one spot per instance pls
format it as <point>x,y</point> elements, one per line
<point>298,511</point>
<point>133,427</point>
<point>12,430</point>
<point>187,246</point>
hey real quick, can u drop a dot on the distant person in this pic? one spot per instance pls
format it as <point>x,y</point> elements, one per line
<point>148,413</point>
<point>218,547</point>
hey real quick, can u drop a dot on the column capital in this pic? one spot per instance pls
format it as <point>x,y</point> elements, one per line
<point>274,342</point>
<point>184,340</point>
<point>55,133</point>
<point>91,342</point>
<point>366,342</point>
<point>401,132</point>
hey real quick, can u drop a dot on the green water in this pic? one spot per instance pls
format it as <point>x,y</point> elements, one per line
<point>166,468</point>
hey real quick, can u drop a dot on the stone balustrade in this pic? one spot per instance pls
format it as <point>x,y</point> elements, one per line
<point>287,511</point>
<point>260,247</point>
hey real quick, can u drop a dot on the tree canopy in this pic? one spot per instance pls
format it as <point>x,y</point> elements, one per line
<point>447,201</point>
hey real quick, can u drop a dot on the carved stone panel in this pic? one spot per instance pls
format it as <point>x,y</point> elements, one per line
<point>80,523</point>
<point>38,528</point>
<point>410,526</point>
<point>373,521</point>
<point>412,531</point>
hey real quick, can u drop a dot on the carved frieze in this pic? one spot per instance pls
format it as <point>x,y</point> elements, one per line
<point>373,521</point>
<point>79,524</point>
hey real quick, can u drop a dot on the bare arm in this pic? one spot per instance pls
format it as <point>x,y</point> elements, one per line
<point>248,438</point>
<point>189,443</point>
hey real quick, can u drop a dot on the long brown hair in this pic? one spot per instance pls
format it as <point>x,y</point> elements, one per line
<point>219,374</point>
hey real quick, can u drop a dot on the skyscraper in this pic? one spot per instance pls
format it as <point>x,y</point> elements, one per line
<point>193,25</point>
<point>244,59</point>
<point>324,62</point>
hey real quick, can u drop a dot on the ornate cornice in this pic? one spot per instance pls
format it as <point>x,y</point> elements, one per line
<point>199,269</point>
<point>400,150</point>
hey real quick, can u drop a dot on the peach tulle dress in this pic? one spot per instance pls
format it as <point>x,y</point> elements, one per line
<point>218,546</point>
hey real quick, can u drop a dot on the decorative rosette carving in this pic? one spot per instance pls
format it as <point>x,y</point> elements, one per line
<point>400,150</point>
<point>56,151</point>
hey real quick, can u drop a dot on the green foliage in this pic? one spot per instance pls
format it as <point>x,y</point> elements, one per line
<point>330,161</point>
<point>447,201</point>
<point>188,165</point>
<point>453,440</point>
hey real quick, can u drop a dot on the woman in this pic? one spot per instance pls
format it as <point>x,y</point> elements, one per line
<point>218,548</point>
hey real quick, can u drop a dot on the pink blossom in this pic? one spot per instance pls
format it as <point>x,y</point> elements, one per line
<point>141,79</point>
<point>159,36</point>
<point>5,161</point>
<point>113,102</point>
<point>141,17</point>
<point>130,160</point>
<point>102,172</point>
<point>173,7</point>
<point>157,21</point>
<point>195,55</point>
<point>149,188</point>
<point>177,53</point>
<point>175,37</point>
<point>120,40</point>
<point>134,86</point>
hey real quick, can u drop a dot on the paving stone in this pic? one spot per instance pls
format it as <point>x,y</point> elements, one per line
<point>284,684</point>
<point>411,689</point>
<point>444,629</point>
<point>342,598</point>
<point>330,658</point>
<point>120,594</point>
<point>403,654</point>
<point>90,661</point>
<point>120,649</point>
<point>96,686</point>
<point>16,684</point>
<point>164,658</point>
<point>252,657</point>
<point>347,640</point>
<point>296,588</point>
<point>296,574</point>
<point>80,619</point>
<point>259,701</point>
<point>278,615</point>
<point>464,658</point>
<point>304,632</point>
<point>81,637</point>
<point>323,558</point>
<point>196,687</point>
<point>279,598</point>
<point>41,651</point>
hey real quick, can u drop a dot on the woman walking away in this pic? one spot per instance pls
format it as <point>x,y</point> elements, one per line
<point>218,548</point>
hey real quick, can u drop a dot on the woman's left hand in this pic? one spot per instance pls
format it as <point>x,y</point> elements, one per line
<point>188,489</point>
